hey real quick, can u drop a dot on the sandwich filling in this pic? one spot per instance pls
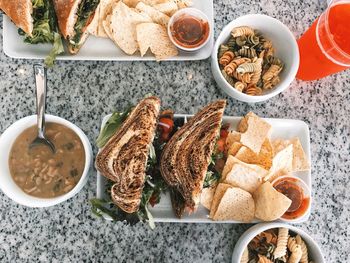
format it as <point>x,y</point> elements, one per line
<point>85,14</point>
<point>45,29</point>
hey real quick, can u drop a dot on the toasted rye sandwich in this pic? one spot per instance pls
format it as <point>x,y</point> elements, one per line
<point>124,157</point>
<point>74,18</point>
<point>186,157</point>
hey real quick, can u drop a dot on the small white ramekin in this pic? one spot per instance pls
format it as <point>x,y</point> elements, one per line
<point>193,12</point>
<point>7,184</point>
<point>315,252</point>
<point>284,43</point>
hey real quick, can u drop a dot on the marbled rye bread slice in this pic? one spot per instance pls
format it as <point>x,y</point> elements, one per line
<point>185,158</point>
<point>124,157</point>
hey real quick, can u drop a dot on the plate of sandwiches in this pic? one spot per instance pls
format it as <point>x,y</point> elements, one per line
<point>157,166</point>
<point>122,30</point>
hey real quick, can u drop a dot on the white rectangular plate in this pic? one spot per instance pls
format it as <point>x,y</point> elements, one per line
<point>99,48</point>
<point>281,128</point>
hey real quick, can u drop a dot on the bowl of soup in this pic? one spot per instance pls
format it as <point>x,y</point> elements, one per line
<point>36,176</point>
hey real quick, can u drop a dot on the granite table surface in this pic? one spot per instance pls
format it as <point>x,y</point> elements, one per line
<point>83,92</point>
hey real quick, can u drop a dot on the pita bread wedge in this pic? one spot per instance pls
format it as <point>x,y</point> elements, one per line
<point>168,8</point>
<point>263,158</point>
<point>254,131</point>
<point>282,164</point>
<point>154,37</point>
<point>157,16</point>
<point>236,204</point>
<point>244,177</point>
<point>120,26</point>
<point>219,192</point>
<point>207,196</point>
<point>269,203</point>
<point>231,161</point>
<point>300,160</point>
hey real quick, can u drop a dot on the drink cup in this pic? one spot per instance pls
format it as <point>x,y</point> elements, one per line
<point>325,47</point>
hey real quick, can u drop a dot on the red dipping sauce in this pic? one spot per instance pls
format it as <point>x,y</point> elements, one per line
<point>290,188</point>
<point>189,31</point>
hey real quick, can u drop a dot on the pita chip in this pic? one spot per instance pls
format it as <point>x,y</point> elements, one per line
<point>168,8</point>
<point>244,177</point>
<point>270,204</point>
<point>157,16</point>
<point>282,164</point>
<point>154,37</point>
<point>207,196</point>
<point>236,204</point>
<point>219,192</point>
<point>234,149</point>
<point>254,131</point>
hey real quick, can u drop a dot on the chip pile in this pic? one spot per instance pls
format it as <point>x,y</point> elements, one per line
<point>138,25</point>
<point>253,161</point>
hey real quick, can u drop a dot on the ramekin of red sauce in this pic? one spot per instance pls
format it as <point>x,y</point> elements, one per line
<point>189,29</point>
<point>297,191</point>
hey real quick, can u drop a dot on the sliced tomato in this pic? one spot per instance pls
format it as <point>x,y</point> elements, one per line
<point>223,133</point>
<point>220,145</point>
<point>166,125</point>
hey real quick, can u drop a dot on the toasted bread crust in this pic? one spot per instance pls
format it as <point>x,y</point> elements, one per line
<point>66,15</point>
<point>124,158</point>
<point>186,157</point>
<point>20,12</point>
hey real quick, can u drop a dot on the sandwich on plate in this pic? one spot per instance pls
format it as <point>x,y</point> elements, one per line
<point>123,159</point>
<point>74,19</point>
<point>36,20</point>
<point>186,157</point>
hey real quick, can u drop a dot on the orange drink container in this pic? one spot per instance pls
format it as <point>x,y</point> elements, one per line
<point>325,47</point>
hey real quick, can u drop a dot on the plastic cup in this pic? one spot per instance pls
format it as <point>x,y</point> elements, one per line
<point>325,47</point>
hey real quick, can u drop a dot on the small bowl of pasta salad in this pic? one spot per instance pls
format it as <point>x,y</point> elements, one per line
<point>255,58</point>
<point>276,242</point>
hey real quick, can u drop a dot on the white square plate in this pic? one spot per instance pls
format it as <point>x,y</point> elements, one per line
<point>99,48</point>
<point>281,128</point>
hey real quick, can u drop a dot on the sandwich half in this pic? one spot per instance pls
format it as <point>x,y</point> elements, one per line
<point>74,18</point>
<point>123,159</point>
<point>36,20</point>
<point>186,157</point>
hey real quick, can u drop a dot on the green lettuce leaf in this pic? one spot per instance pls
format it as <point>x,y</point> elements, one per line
<point>56,50</point>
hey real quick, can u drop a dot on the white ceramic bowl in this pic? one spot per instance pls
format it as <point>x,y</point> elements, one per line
<point>314,250</point>
<point>284,43</point>
<point>307,193</point>
<point>7,184</point>
<point>193,12</point>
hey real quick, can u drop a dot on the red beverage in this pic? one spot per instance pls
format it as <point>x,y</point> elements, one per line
<point>325,46</point>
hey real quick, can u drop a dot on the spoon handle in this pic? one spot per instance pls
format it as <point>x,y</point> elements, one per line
<point>40,83</point>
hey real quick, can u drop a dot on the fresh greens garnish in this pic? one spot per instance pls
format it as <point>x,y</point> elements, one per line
<point>111,126</point>
<point>85,11</point>
<point>45,29</point>
<point>211,178</point>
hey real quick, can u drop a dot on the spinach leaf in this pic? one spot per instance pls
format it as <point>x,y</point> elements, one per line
<point>111,126</point>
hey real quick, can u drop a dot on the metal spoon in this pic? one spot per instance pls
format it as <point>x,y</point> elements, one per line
<point>40,83</point>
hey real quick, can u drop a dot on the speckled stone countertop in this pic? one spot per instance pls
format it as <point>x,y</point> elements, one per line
<point>83,92</point>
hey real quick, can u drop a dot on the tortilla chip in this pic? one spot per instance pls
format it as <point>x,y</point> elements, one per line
<point>243,177</point>
<point>236,204</point>
<point>300,160</point>
<point>232,137</point>
<point>121,27</point>
<point>254,131</point>
<point>264,158</point>
<point>207,196</point>
<point>153,36</point>
<point>168,8</point>
<point>231,161</point>
<point>157,16</point>
<point>234,149</point>
<point>269,203</point>
<point>219,192</point>
<point>282,164</point>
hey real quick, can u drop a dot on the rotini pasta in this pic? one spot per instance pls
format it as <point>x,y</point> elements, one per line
<point>230,80</point>
<point>305,256</point>
<point>242,31</point>
<point>245,256</point>
<point>248,58</point>
<point>281,248</point>
<point>295,249</point>
<point>226,58</point>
